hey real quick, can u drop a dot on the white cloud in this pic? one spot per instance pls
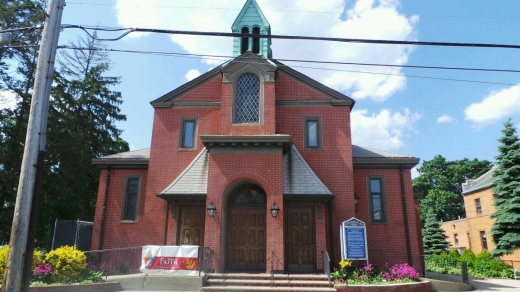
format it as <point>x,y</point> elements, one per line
<point>369,19</point>
<point>445,119</point>
<point>494,107</point>
<point>385,130</point>
<point>192,74</point>
<point>7,99</point>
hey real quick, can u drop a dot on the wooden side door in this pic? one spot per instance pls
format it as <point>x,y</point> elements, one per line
<point>191,227</point>
<point>245,240</point>
<point>300,240</point>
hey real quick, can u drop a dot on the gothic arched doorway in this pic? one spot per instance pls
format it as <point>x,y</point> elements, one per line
<point>246,229</point>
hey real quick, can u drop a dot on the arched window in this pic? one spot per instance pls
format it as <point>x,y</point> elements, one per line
<point>245,41</point>
<point>256,41</point>
<point>247,103</point>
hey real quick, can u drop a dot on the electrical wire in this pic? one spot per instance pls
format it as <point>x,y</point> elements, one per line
<point>22,29</point>
<point>252,61</point>
<point>290,37</point>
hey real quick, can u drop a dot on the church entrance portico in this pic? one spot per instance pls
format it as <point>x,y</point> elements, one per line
<point>245,239</point>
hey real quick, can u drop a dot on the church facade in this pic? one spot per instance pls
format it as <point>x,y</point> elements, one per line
<point>255,161</point>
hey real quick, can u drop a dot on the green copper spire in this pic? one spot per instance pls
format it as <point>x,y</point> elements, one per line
<point>251,20</point>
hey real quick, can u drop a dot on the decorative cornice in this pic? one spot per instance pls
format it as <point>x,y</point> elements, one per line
<point>384,162</point>
<point>210,141</point>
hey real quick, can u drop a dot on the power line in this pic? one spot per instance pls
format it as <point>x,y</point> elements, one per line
<point>246,60</point>
<point>223,57</point>
<point>291,37</point>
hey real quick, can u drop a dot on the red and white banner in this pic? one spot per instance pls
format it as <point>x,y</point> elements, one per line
<point>179,260</point>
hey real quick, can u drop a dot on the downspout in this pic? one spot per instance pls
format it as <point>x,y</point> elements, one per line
<point>166,222</point>
<point>405,216</point>
<point>104,214</point>
<point>331,234</point>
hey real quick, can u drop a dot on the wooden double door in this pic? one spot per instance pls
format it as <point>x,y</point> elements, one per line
<point>300,239</point>
<point>246,239</point>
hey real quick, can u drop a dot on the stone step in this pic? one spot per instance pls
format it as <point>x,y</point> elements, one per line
<point>263,282</point>
<point>311,277</point>
<point>263,289</point>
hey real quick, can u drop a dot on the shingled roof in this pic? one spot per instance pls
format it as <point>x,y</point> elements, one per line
<point>193,180</point>
<point>299,179</point>
<point>484,181</point>
<point>365,157</point>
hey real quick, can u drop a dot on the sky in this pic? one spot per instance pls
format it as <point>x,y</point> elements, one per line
<point>419,112</point>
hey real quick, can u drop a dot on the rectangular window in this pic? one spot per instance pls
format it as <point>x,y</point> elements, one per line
<point>456,238</point>
<point>478,206</point>
<point>377,200</point>
<point>484,240</point>
<point>131,198</point>
<point>312,133</point>
<point>187,133</point>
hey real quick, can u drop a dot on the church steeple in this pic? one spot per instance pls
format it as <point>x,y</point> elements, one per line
<point>251,20</point>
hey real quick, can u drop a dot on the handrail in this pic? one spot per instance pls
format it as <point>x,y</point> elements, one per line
<point>326,266</point>
<point>272,269</point>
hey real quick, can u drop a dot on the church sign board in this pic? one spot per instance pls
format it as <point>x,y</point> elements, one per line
<point>354,240</point>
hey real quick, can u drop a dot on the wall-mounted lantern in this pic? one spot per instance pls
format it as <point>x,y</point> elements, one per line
<point>274,210</point>
<point>212,210</point>
<point>356,201</point>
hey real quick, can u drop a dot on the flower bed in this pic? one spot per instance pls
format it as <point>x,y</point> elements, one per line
<point>95,287</point>
<point>401,287</point>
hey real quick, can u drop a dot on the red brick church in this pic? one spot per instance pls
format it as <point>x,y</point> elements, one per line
<point>255,161</point>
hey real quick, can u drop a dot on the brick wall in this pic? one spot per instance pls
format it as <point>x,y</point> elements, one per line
<point>387,241</point>
<point>332,164</point>
<point>264,170</point>
<point>456,227</point>
<point>118,234</point>
<point>482,222</point>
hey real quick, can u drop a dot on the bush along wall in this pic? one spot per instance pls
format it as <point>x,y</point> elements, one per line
<point>484,265</point>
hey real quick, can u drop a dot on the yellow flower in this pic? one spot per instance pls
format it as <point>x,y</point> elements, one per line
<point>345,264</point>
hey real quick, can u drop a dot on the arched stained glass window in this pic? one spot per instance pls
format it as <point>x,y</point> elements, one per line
<point>247,107</point>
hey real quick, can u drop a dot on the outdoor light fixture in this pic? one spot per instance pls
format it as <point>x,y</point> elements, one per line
<point>212,210</point>
<point>274,210</point>
<point>356,201</point>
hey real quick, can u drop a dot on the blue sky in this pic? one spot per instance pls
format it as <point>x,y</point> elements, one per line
<point>398,112</point>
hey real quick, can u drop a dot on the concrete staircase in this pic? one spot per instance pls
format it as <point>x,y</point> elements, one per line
<point>264,282</point>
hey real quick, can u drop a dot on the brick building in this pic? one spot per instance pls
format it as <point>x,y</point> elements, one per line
<point>255,161</point>
<point>474,231</point>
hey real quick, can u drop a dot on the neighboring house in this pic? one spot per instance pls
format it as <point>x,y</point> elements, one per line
<point>242,143</point>
<point>474,232</point>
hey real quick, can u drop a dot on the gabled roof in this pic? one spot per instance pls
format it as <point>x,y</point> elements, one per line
<point>313,83</point>
<point>299,179</point>
<point>134,158</point>
<point>484,181</point>
<point>365,157</point>
<point>193,180</point>
<point>250,9</point>
<point>165,100</point>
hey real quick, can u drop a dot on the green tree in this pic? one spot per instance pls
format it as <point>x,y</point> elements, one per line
<point>434,240</point>
<point>82,125</point>
<point>83,113</point>
<point>506,229</point>
<point>17,70</point>
<point>440,182</point>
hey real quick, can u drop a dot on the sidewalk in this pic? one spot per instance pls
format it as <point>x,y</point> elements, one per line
<point>495,284</point>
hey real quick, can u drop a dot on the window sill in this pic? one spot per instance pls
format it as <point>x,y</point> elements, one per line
<point>247,124</point>
<point>128,221</point>
<point>379,222</point>
<point>187,149</point>
<point>313,148</point>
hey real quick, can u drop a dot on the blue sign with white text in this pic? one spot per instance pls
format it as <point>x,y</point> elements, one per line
<point>355,243</point>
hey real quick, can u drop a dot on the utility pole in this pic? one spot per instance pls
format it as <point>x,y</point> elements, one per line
<point>5,38</point>
<point>35,128</point>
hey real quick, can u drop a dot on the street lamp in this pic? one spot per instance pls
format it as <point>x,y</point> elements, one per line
<point>5,38</point>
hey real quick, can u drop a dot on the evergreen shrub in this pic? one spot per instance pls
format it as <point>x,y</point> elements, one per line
<point>67,262</point>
